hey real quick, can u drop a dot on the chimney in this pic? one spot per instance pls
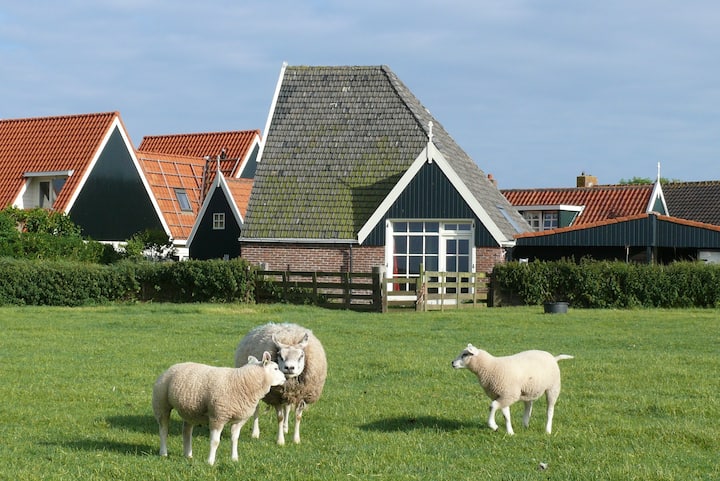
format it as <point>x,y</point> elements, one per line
<point>492,180</point>
<point>586,180</point>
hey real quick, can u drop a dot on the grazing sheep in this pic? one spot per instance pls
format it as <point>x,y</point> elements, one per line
<point>214,396</point>
<point>521,377</point>
<point>301,357</point>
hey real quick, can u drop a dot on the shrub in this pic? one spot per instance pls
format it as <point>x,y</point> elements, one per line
<point>602,284</point>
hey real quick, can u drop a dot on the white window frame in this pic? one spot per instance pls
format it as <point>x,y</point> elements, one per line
<point>447,229</point>
<point>533,218</point>
<point>551,220</point>
<point>218,220</point>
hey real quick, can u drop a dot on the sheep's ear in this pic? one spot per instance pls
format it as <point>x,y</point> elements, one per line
<point>472,349</point>
<point>265,358</point>
<point>253,360</point>
<point>304,341</point>
<point>277,343</point>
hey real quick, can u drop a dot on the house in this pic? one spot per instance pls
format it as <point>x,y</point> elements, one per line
<point>355,172</point>
<point>189,174</point>
<point>81,165</point>
<point>216,232</point>
<point>650,237</point>
<point>586,204</point>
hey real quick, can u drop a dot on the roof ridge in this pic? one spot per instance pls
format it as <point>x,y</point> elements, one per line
<point>193,134</point>
<point>394,83</point>
<point>62,117</point>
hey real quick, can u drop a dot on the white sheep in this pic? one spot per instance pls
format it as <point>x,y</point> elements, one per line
<point>301,358</point>
<point>215,396</point>
<point>521,377</point>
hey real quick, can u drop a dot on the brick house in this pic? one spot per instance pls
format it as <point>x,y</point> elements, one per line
<point>354,172</point>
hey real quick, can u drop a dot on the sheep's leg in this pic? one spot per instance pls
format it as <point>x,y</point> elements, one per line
<point>508,425</point>
<point>281,433</point>
<point>187,430</point>
<point>551,396</point>
<point>491,419</point>
<point>234,436</point>
<point>298,417</point>
<point>256,422</point>
<point>528,412</point>
<point>286,417</point>
<point>164,423</point>
<point>215,432</point>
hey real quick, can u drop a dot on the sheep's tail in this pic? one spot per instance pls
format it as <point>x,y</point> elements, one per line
<point>561,357</point>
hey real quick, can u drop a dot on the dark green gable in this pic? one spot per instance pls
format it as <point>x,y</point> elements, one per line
<point>114,204</point>
<point>208,243</point>
<point>430,195</point>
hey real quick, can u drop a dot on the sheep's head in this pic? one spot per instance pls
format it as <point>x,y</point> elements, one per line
<point>461,361</point>
<point>291,358</point>
<point>272,369</point>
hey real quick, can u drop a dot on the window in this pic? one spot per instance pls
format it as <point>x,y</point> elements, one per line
<point>533,218</point>
<point>218,221</point>
<point>550,220</point>
<point>183,200</point>
<point>439,246</point>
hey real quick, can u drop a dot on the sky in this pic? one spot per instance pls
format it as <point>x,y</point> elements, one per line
<point>537,92</point>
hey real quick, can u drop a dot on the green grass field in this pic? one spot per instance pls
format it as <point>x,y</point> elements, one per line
<point>640,401</point>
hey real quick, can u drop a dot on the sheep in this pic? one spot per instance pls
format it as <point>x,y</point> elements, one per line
<point>215,396</point>
<point>524,376</point>
<point>301,357</point>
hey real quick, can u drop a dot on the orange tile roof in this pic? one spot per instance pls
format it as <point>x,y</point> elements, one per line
<point>47,144</point>
<point>240,190</point>
<point>236,145</point>
<point>166,173</point>
<point>600,202</point>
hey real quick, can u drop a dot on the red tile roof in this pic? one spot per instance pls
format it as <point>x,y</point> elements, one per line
<point>600,202</point>
<point>236,145</point>
<point>166,173</point>
<point>48,144</point>
<point>240,191</point>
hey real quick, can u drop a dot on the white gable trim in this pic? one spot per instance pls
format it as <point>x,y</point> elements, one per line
<point>657,193</point>
<point>96,156</point>
<point>222,183</point>
<point>428,155</point>
<point>272,110</point>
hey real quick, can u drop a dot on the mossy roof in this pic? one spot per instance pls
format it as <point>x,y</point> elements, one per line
<point>338,141</point>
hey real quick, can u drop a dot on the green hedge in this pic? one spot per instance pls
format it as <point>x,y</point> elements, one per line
<point>597,284</point>
<point>66,283</point>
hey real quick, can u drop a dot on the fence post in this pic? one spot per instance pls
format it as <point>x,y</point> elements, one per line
<point>346,290</point>
<point>378,286</point>
<point>420,290</point>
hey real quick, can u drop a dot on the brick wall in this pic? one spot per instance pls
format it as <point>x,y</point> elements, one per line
<point>336,257</point>
<point>314,257</point>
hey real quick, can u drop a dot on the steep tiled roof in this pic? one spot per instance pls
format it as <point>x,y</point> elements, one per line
<point>698,201</point>
<point>338,141</point>
<point>235,143</point>
<point>600,202</point>
<point>166,173</point>
<point>49,144</point>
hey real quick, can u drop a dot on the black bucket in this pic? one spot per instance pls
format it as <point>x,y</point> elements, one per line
<point>556,307</point>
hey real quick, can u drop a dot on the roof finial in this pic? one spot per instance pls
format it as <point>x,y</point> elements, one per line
<point>430,134</point>
<point>658,176</point>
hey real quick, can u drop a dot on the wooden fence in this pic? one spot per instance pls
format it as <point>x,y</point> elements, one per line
<point>377,292</point>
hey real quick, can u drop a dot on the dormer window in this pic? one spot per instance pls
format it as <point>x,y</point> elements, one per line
<point>183,200</point>
<point>43,188</point>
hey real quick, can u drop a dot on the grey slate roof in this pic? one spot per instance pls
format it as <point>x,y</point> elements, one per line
<point>697,201</point>
<point>339,140</point>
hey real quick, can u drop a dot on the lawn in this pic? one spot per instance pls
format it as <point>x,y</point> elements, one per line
<point>640,401</point>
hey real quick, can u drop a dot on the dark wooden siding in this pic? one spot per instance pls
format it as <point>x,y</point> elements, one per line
<point>113,204</point>
<point>430,195</point>
<point>215,244</point>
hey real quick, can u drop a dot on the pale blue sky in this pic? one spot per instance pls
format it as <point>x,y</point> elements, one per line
<point>536,92</point>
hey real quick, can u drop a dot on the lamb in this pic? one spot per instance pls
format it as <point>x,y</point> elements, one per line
<point>301,357</point>
<point>521,377</point>
<point>215,396</point>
